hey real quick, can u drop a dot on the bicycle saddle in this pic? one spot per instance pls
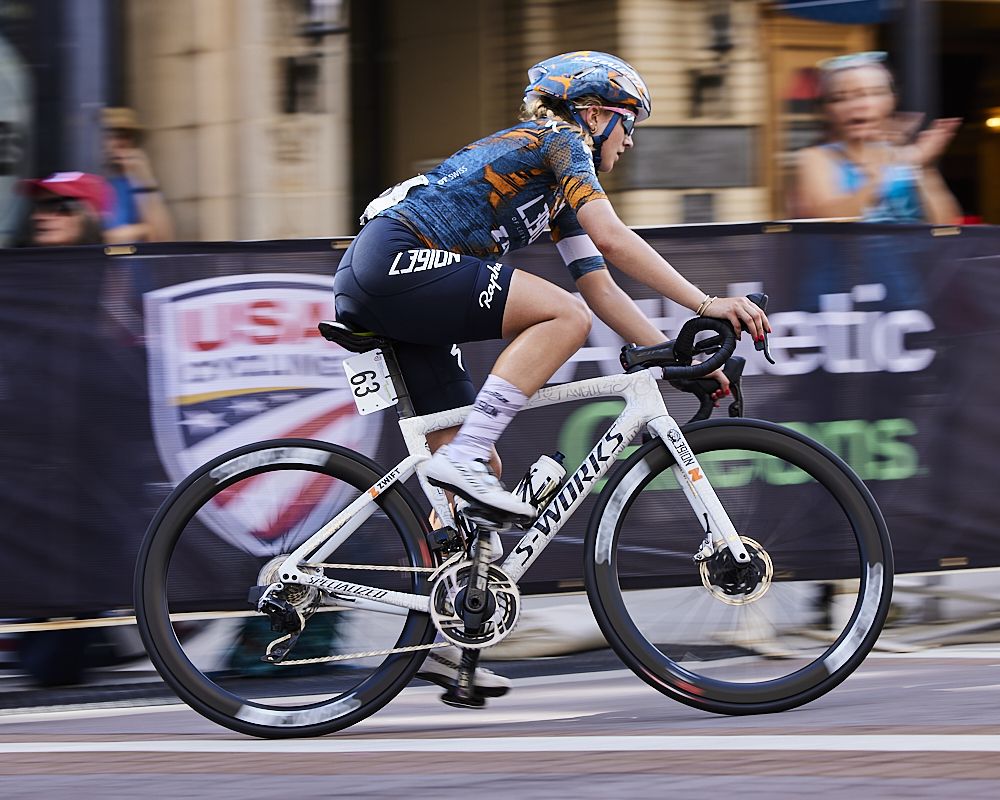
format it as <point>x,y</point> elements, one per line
<point>351,337</point>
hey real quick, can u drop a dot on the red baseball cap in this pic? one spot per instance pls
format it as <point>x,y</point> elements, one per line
<point>91,189</point>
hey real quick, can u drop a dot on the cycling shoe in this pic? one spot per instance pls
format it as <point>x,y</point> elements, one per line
<point>475,482</point>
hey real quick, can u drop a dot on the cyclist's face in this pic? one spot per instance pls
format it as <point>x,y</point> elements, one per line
<point>616,143</point>
<point>859,101</point>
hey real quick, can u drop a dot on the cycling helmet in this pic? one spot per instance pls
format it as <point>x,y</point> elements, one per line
<point>572,76</point>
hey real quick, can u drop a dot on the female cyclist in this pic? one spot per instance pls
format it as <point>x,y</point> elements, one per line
<point>423,269</point>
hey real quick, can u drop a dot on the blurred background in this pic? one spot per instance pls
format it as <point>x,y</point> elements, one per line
<point>282,118</point>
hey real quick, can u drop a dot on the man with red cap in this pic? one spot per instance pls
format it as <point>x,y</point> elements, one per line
<point>67,209</point>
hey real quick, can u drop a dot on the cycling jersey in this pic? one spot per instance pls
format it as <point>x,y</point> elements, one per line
<point>501,192</point>
<point>424,271</point>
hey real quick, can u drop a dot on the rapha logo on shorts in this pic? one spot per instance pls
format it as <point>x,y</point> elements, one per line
<point>486,296</point>
<point>238,359</point>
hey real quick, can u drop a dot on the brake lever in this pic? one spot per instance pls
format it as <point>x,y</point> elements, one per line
<point>759,299</point>
<point>702,388</point>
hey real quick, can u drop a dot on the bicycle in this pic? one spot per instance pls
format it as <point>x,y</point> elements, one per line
<point>761,592</point>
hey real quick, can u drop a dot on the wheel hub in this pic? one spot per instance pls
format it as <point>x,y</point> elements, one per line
<point>304,598</point>
<point>734,583</point>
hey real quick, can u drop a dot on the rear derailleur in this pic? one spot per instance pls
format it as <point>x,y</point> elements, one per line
<point>286,606</point>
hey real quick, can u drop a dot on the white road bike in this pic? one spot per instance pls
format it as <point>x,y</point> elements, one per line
<point>736,565</point>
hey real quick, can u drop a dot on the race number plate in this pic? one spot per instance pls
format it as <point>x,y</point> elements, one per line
<point>369,382</point>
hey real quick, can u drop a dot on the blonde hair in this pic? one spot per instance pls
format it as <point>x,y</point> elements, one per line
<point>545,109</point>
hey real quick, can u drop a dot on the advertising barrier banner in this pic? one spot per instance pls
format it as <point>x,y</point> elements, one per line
<point>119,374</point>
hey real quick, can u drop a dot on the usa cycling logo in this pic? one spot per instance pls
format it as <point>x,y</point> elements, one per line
<point>237,359</point>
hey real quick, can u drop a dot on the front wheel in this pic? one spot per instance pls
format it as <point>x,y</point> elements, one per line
<point>736,639</point>
<point>226,529</point>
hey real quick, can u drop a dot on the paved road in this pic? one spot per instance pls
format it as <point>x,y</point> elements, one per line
<point>916,725</point>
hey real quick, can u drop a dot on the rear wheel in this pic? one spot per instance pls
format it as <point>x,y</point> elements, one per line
<point>223,531</point>
<point>725,637</point>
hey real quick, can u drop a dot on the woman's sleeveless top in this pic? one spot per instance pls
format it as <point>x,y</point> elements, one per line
<point>899,198</point>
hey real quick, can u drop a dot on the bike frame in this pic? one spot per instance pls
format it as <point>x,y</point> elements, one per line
<point>644,406</point>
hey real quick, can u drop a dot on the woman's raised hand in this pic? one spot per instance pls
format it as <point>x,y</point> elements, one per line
<point>930,144</point>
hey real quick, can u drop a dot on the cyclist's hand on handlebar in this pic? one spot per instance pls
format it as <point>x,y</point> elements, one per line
<point>720,378</point>
<point>742,314</point>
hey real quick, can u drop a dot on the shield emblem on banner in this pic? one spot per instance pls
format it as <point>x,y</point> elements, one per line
<point>238,359</point>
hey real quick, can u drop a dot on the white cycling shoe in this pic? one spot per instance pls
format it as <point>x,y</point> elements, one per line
<point>441,667</point>
<point>475,482</point>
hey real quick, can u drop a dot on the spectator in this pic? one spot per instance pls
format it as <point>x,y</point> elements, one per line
<point>138,212</point>
<point>67,209</point>
<point>869,168</point>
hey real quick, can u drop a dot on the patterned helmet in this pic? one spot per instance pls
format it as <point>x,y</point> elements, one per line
<point>571,76</point>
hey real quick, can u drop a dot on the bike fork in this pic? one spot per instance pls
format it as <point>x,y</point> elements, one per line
<point>719,529</point>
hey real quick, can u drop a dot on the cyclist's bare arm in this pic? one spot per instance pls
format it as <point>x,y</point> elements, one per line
<point>620,313</point>
<point>632,255</point>
<point>616,309</point>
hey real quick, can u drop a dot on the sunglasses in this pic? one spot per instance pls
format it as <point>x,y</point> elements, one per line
<point>628,118</point>
<point>60,206</point>
<point>852,60</point>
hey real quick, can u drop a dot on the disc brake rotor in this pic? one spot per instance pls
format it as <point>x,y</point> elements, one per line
<point>738,584</point>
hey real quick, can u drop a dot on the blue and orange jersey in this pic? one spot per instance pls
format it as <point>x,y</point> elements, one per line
<point>501,192</point>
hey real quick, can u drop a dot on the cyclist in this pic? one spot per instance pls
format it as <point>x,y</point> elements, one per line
<point>424,271</point>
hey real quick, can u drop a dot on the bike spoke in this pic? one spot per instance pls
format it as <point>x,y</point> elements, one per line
<point>769,632</point>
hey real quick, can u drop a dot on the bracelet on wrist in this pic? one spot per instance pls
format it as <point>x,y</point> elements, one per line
<point>145,189</point>
<point>709,299</point>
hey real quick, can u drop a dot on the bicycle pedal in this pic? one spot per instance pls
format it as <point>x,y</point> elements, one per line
<point>456,700</point>
<point>493,519</point>
<point>487,518</point>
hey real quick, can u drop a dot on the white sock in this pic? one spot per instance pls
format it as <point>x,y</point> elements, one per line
<point>496,405</point>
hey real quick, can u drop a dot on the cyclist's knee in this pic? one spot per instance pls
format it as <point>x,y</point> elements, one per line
<point>579,319</point>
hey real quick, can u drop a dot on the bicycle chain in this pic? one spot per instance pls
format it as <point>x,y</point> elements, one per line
<point>370,653</point>
<point>372,567</point>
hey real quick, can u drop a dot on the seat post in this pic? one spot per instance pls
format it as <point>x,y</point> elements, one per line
<point>357,340</point>
<point>404,406</point>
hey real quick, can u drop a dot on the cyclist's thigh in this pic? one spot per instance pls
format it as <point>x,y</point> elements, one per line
<point>533,300</point>
<point>435,376</point>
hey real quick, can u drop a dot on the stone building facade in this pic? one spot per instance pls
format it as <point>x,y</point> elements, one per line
<point>281,118</point>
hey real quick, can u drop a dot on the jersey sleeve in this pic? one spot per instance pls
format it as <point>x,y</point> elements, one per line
<point>572,164</point>
<point>578,251</point>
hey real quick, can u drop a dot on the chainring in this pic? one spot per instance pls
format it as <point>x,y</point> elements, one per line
<point>504,597</point>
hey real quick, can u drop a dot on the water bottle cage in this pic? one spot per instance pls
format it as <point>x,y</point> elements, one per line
<point>542,481</point>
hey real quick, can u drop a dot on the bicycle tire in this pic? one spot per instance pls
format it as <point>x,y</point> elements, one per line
<point>725,659</point>
<point>156,586</point>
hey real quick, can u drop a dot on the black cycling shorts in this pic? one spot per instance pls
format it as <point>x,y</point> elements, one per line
<point>426,301</point>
